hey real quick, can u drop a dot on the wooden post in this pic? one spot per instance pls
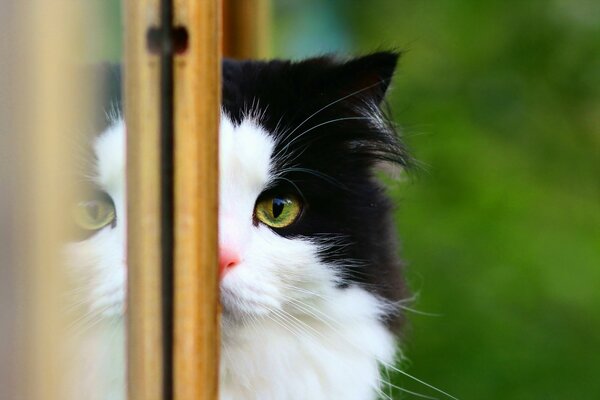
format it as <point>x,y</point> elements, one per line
<point>197,104</point>
<point>142,113</point>
<point>246,28</point>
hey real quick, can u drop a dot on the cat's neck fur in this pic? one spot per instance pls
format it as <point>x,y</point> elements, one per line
<point>332,352</point>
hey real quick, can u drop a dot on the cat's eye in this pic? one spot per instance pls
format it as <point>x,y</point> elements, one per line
<point>278,211</point>
<point>94,212</point>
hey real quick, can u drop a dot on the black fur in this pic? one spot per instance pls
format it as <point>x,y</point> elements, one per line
<point>330,133</point>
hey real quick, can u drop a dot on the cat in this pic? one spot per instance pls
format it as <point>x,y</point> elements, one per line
<point>311,281</point>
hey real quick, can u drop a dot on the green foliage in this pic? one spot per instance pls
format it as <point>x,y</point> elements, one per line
<point>500,102</point>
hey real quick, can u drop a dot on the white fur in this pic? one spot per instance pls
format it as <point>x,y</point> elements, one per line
<point>288,332</point>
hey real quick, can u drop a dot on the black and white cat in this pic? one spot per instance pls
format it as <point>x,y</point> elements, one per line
<point>311,282</point>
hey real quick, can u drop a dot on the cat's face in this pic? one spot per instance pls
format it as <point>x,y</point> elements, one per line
<point>300,214</point>
<point>262,270</point>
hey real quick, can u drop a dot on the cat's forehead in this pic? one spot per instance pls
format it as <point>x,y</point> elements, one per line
<point>245,152</point>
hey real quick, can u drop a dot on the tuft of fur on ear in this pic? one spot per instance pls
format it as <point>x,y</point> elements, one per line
<point>370,74</point>
<point>331,78</point>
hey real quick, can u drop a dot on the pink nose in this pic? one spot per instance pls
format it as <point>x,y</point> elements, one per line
<point>227,260</point>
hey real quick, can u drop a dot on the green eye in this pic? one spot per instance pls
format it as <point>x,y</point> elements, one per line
<point>278,211</point>
<point>94,213</point>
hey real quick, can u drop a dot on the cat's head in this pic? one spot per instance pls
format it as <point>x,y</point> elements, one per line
<point>301,214</point>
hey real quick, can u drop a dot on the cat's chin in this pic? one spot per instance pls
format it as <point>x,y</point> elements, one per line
<point>239,311</point>
<point>232,320</point>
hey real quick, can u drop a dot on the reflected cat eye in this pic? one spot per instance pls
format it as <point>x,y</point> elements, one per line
<point>278,211</point>
<point>95,212</point>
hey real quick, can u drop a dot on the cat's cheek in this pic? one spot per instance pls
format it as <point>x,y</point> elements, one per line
<point>244,293</point>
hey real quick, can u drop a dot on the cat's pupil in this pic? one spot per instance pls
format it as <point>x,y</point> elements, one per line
<point>93,209</point>
<point>278,206</point>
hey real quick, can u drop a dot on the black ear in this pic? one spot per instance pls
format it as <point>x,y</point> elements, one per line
<point>372,73</point>
<point>368,76</point>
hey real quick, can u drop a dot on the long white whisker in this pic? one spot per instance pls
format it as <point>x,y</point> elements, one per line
<point>391,385</point>
<point>414,311</point>
<point>418,380</point>
<point>287,146</point>
<point>335,102</point>
<point>318,174</point>
<point>389,380</point>
<point>381,393</point>
<point>289,324</point>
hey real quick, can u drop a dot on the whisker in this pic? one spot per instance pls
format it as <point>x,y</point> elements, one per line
<point>388,382</point>
<point>386,365</point>
<point>318,174</point>
<point>414,311</point>
<point>272,183</point>
<point>301,135</point>
<point>391,385</point>
<point>381,393</point>
<point>335,102</point>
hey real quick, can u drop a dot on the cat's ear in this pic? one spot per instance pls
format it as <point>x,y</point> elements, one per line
<point>366,77</point>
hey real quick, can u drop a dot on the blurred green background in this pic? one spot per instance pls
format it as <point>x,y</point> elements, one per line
<point>500,224</point>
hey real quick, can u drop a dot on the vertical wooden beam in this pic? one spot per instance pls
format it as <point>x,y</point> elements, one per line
<point>196,118</point>
<point>246,28</point>
<point>142,112</point>
<point>197,105</point>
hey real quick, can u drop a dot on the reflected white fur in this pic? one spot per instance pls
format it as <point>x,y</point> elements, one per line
<point>287,331</point>
<point>98,263</point>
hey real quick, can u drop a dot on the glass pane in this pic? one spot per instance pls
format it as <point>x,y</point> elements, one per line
<point>61,205</point>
